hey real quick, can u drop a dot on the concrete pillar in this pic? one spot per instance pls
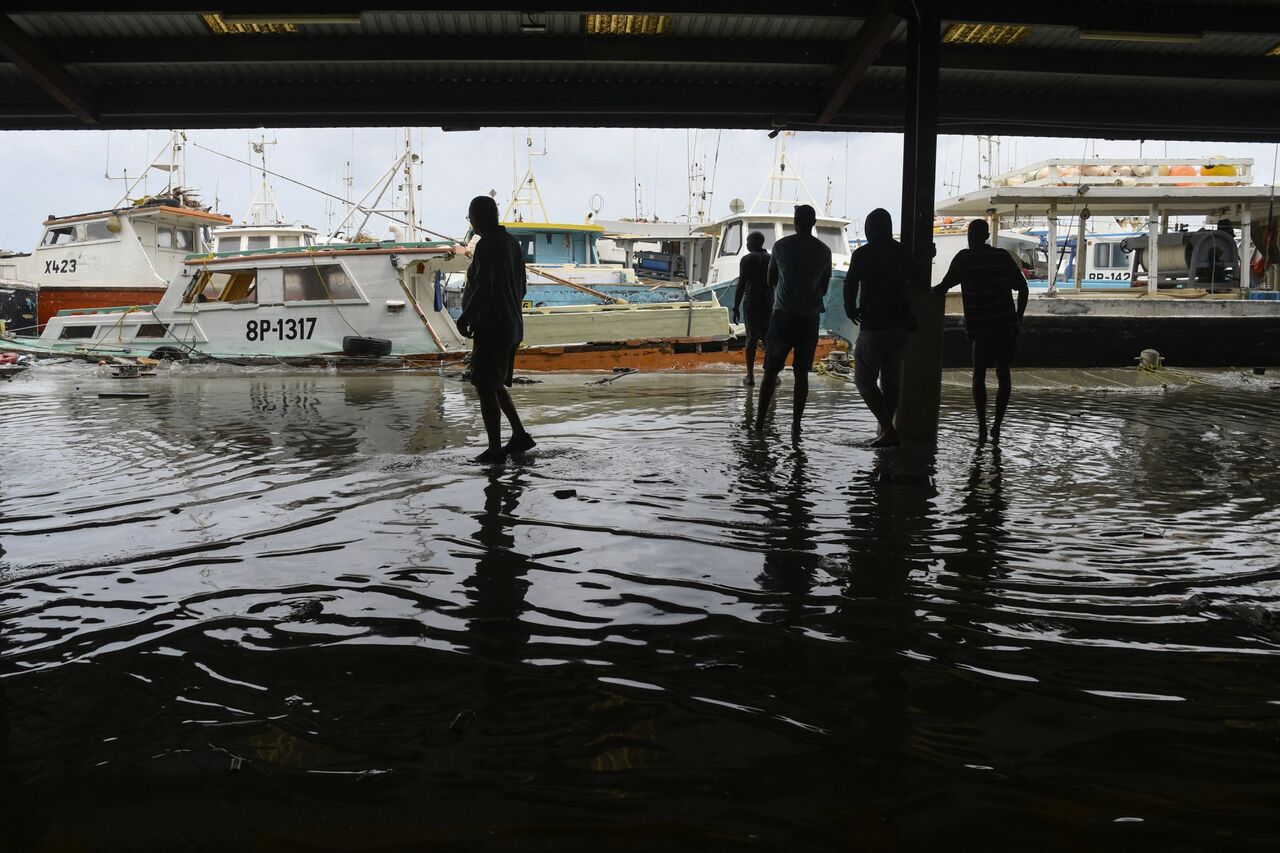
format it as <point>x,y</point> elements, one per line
<point>1055,256</point>
<point>917,417</point>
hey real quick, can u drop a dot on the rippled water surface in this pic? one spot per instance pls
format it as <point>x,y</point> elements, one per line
<point>277,611</point>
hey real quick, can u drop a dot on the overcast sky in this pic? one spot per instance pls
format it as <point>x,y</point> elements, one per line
<point>63,172</point>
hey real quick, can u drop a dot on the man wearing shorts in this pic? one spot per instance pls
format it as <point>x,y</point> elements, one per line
<point>753,287</point>
<point>987,277</point>
<point>877,300</point>
<point>491,316</point>
<point>799,273</point>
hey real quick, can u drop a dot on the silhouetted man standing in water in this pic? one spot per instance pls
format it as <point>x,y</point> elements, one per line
<point>879,272</point>
<point>987,277</point>
<point>753,286</point>
<point>491,316</point>
<point>799,273</point>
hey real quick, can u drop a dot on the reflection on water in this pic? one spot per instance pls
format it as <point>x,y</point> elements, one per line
<point>260,610</point>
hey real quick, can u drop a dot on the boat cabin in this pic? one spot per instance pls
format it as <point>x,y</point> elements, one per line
<point>555,244</point>
<point>730,239</point>
<point>249,238</point>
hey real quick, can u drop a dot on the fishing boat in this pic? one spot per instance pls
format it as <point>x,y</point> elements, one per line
<point>772,214</point>
<point>562,260</point>
<point>1206,293</point>
<point>17,300</point>
<point>122,256</point>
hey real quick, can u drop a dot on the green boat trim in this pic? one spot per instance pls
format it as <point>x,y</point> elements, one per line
<point>326,247</point>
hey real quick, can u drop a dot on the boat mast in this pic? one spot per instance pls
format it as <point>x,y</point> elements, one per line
<point>782,177</point>
<point>526,196</point>
<point>263,209</point>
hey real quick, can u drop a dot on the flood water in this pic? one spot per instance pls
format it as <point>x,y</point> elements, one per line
<point>278,611</point>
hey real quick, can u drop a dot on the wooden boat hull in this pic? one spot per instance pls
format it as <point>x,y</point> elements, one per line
<point>51,300</point>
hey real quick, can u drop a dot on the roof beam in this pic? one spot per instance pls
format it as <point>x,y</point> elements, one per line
<point>22,51</point>
<point>872,36</point>
<point>414,49</point>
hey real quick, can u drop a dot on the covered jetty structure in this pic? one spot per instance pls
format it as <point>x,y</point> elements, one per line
<point>1190,69</point>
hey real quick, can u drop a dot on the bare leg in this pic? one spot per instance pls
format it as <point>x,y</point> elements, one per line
<point>509,409</point>
<point>767,386</point>
<point>751,361</point>
<point>1005,389</point>
<point>876,401</point>
<point>799,396</point>
<point>980,399</point>
<point>491,412</point>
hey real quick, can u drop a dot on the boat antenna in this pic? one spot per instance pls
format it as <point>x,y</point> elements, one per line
<point>356,207</point>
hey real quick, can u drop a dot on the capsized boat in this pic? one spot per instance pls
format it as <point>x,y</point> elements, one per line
<point>355,301</point>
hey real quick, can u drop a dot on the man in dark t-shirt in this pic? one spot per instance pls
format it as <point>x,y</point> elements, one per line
<point>877,300</point>
<point>753,289</point>
<point>987,277</point>
<point>491,315</point>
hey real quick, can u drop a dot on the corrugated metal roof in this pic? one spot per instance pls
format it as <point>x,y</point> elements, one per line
<point>758,67</point>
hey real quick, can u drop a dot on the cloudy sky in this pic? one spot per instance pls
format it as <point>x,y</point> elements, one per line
<point>64,172</point>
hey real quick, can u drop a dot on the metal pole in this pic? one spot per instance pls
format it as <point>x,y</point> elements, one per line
<point>1153,250</point>
<point>1246,248</point>
<point>1082,250</point>
<point>1053,249</point>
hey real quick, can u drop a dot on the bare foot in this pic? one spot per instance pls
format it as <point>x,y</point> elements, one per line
<point>982,434</point>
<point>492,456</point>
<point>749,381</point>
<point>888,439</point>
<point>995,434</point>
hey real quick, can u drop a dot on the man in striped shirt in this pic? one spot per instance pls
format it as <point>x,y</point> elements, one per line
<point>988,277</point>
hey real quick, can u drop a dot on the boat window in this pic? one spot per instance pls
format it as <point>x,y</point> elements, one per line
<point>152,330</point>
<point>77,332</point>
<point>1110,255</point>
<point>527,247</point>
<point>185,239</point>
<point>97,230</point>
<point>59,236</point>
<point>164,237</point>
<point>263,242</point>
<point>831,237</point>
<point>732,242</point>
<point>228,244</point>
<point>307,241</point>
<point>223,286</point>
<point>765,228</point>
<point>287,241</point>
<point>315,283</point>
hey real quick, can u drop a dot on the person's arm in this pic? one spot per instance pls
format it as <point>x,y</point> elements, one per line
<point>852,280</point>
<point>1018,282</point>
<point>740,290</point>
<point>826,279</point>
<point>476,292</point>
<point>951,279</point>
<point>773,273</point>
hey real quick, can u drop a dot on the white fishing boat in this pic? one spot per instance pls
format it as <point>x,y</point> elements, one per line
<point>772,214</point>
<point>123,256</point>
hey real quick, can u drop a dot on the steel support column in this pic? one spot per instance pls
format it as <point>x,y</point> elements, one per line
<point>917,417</point>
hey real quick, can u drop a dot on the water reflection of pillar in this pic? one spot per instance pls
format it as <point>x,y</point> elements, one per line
<point>890,521</point>
<point>496,632</point>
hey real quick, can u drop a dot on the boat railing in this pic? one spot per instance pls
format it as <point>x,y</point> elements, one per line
<point>1135,172</point>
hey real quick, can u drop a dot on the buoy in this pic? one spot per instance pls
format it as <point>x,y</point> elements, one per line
<point>1182,171</point>
<point>1142,171</point>
<point>1223,169</point>
<point>1091,171</point>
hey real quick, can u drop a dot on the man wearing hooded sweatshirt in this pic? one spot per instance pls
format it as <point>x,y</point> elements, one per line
<point>491,317</point>
<point>880,273</point>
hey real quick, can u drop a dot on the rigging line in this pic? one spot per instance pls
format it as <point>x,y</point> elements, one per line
<point>314,189</point>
